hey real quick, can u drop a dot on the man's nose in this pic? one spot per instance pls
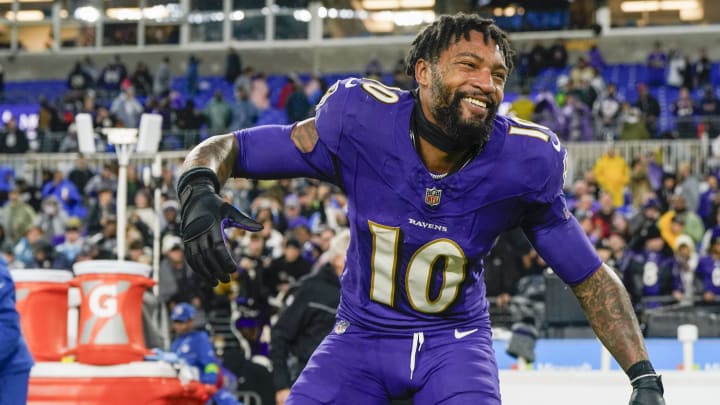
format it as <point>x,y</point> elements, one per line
<point>483,80</point>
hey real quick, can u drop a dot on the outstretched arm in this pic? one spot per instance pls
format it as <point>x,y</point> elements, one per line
<point>610,313</point>
<point>221,153</point>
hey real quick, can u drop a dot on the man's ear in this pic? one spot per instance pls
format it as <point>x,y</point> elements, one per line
<point>423,73</point>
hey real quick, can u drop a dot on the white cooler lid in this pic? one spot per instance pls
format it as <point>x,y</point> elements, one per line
<point>41,276</point>
<point>77,370</point>
<point>111,267</point>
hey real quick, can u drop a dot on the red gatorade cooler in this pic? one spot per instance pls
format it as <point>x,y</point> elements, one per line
<point>42,302</point>
<point>110,317</point>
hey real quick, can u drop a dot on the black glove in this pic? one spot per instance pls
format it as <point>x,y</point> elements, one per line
<point>204,216</point>
<point>647,386</point>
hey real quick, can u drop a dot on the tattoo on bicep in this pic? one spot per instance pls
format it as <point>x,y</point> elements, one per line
<point>610,313</point>
<point>305,135</point>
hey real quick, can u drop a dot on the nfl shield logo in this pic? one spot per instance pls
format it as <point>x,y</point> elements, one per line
<point>341,327</point>
<point>432,196</point>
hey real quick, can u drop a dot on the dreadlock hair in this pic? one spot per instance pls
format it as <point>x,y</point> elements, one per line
<point>449,29</point>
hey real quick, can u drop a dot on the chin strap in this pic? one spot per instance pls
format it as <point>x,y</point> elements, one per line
<point>431,132</point>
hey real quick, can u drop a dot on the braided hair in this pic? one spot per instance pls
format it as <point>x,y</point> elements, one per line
<point>449,29</point>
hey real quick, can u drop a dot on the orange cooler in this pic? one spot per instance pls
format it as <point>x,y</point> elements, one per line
<point>42,302</point>
<point>110,325</point>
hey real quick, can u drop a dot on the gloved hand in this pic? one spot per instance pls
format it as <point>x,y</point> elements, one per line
<point>647,386</point>
<point>204,217</point>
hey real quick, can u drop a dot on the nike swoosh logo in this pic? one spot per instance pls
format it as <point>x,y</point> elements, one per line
<point>460,335</point>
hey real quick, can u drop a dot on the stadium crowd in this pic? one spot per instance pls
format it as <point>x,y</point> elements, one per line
<point>658,226</point>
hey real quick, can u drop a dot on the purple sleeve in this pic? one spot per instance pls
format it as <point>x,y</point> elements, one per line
<point>268,152</point>
<point>555,233</point>
<point>564,246</point>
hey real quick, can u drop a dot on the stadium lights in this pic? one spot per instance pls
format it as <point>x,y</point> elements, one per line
<point>86,13</point>
<point>667,5</point>
<point>396,4</point>
<point>25,15</point>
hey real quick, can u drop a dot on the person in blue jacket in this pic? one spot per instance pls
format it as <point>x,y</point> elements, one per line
<point>195,348</point>
<point>15,358</point>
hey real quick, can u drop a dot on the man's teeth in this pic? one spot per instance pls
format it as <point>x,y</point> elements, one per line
<point>475,102</point>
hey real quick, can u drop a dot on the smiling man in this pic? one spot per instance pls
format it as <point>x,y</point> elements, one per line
<point>432,176</point>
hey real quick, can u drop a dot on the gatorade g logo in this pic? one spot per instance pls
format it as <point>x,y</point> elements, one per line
<point>103,301</point>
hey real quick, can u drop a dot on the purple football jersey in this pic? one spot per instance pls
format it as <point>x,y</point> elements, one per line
<point>709,271</point>
<point>417,242</point>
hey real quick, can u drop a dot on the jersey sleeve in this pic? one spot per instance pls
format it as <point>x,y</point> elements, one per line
<point>552,230</point>
<point>268,152</point>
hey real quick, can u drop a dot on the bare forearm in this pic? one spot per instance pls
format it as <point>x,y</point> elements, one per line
<point>610,313</point>
<point>218,153</point>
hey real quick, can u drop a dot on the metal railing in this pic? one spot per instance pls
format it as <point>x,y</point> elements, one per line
<point>582,156</point>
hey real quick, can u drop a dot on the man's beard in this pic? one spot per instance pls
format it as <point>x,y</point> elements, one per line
<point>447,111</point>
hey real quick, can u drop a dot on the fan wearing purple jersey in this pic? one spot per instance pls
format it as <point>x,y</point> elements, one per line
<point>432,177</point>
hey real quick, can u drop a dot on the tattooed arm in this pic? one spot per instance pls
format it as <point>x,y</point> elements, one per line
<point>610,313</point>
<point>221,153</point>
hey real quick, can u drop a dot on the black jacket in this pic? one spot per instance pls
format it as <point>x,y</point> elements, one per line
<point>309,317</point>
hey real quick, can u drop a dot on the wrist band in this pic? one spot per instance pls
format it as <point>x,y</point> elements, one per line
<point>197,172</point>
<point>641,369</point>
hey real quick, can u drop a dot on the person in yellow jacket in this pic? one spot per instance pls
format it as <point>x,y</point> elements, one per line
<point>679,220</point>
<point>613,175</point>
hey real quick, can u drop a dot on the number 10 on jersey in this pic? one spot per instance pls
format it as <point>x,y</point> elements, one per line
<point>419,271</point>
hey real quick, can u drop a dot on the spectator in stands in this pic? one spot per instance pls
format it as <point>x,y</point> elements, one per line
<point>707,271</point>
<point>633,124</point>
<point>17,217</point>
<point>80,175</point>
<point>618,253</point>
<point>678,221</point>
<point>102,207</point>
<point>167,183</point>
<point>503,266</point>
<point>686,263</point>
<point>163,79</point>
<point>218,115</point>
<point>189,121</point>
<point>66,193</point>
<point>144,208</point>
<point>44,256</point>
<point>245,79</point>
<point>105,180</point>
<point>581,71</point>
<point>73,241</point>
<point>523,107</point>
<point>23,249</point>
<point>287,269</point>
<point>576,118</point>
<point>52,219</point>
<point>708,204</point>
<point>709,109</point>
<point>126,108</point>
<point>373,69</point>
<point>78,80</point>
<point>106,239</point>
<point>649,106</point>
<point>244,112</point>
<point>297,107</point>
<point>170,219</point>
<point>703,69</point>
<point>233,66</point>
<point>6,252</point>
<point>684,110</point>
<point>612,174</point>
<point>604,217</point>
<point>596,59</point>
<point>640,187</point>
<point>177,282</point>
<point>558,54</point>
<point>608,111</point>
<point>656,63</point>
<point>666,192</point>
<point>192,75</point>
<point>308,318</point>
<point>538,60</point>
<point>688,186</point>
<point>547,113</point>
<point>112,77</point>
<point>13,139</point>
<point>677,66</point>
<point>651,273</point>
<point>142,80</point>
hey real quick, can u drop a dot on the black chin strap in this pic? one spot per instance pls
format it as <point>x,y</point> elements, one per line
<point>420,126</point>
